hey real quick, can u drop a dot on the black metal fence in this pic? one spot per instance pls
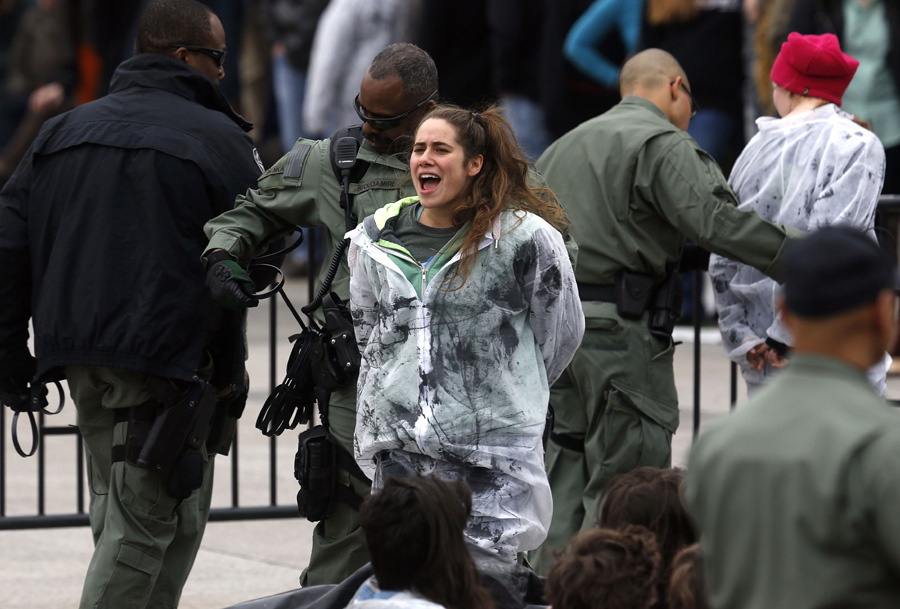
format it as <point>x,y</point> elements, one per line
<point>888,211</point>
<point>79,516</point>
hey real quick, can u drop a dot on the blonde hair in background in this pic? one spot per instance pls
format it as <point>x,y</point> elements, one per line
<point>770,31</point>
<point>661,12</point>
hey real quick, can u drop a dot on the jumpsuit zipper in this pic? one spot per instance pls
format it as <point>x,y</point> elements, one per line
<point>421,425</point>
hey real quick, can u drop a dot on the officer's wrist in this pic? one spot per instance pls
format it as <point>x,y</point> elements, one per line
<point>215,256</point>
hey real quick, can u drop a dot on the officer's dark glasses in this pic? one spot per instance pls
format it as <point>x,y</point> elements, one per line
<point>695,107</point>
<point>217,54</point>
<point>383,124</point>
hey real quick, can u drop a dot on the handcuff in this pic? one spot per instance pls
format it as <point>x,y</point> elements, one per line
<point>37,403</point>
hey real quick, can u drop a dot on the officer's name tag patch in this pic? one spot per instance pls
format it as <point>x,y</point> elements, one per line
<point>377,185</point>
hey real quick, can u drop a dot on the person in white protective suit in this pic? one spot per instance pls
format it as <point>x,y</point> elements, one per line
<point>466,310</point>
<point>813,167</point>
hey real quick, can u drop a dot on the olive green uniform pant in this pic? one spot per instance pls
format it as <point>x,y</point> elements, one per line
<point>617,408</point>
<point>338,544</point>
<point>145,541</point>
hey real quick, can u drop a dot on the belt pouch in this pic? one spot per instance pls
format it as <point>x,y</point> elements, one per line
<point>315,470</point>
<point>633,293</point>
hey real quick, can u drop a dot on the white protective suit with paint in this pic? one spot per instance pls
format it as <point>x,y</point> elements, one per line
<point>456,383</point>
<point>370,596</point>
<point>807,171</point>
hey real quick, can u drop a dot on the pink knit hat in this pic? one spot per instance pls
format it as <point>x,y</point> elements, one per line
<point>814,66</point>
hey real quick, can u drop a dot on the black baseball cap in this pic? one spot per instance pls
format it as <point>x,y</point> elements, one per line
<point>835,269</point>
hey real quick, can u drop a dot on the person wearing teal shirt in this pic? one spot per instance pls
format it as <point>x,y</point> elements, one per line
<point>796,493</point>
<point>870,31</point>
<point>601,20</point>
<point>465,310</point>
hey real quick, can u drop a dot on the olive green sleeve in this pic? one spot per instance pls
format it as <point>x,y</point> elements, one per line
<point>873,494</point>
<point>283,198</point>
<point>693,195</point>
<point>536,180</point>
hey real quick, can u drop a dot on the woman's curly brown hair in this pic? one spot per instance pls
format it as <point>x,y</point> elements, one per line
<point>687,589</point>
<point>503,182</point>
<point>608,568</point>
<point>650,497</point>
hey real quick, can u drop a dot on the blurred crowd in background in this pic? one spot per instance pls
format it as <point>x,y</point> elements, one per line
<point>294,66</point>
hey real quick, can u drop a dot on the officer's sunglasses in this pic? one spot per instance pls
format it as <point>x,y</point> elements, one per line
<point>383,124</point>
<point>218,55</point>
<point>695,107</point>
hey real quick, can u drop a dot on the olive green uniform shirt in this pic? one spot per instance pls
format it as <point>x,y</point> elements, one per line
<point>797,494</point>
<point>302,190</point>
<point>634,186</point>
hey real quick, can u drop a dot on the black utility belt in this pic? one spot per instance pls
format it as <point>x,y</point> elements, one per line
<point>636,293</point>
<point>597,292</point>
<point>632,293</point>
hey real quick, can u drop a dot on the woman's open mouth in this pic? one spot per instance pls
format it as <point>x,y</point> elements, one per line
<point>428,183</point>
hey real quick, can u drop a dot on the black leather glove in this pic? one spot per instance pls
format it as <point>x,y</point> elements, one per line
<point>15,376</point>
<point>229,284</point>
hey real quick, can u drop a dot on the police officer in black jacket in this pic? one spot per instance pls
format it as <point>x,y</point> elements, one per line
<point>101,232</point>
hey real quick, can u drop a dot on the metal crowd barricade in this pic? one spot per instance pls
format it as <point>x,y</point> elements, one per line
<point>79,517</point>
<point>888,214</point>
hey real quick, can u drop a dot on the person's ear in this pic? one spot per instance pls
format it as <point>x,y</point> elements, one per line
<point>475,165</point>
<point>885,319</point>
<point>182,54</point>
<point>675,88</point>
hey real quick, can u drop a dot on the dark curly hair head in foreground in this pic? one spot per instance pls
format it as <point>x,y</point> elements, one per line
<point>687,590</point>
<point>608,568</point>
<point>650,497</point>
<point>414,532</point>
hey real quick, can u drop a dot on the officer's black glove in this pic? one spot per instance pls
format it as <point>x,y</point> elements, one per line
<point>14,378</point>
<point>229,284</point>
<point>779,347</point>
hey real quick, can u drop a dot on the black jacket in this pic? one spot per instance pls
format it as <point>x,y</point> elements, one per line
<point>827,17</point>
<point>514,27</point>
<point>101,228</point>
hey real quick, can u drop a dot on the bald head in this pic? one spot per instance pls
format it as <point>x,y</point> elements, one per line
<point>649,70</point>
<point>658,77</point>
